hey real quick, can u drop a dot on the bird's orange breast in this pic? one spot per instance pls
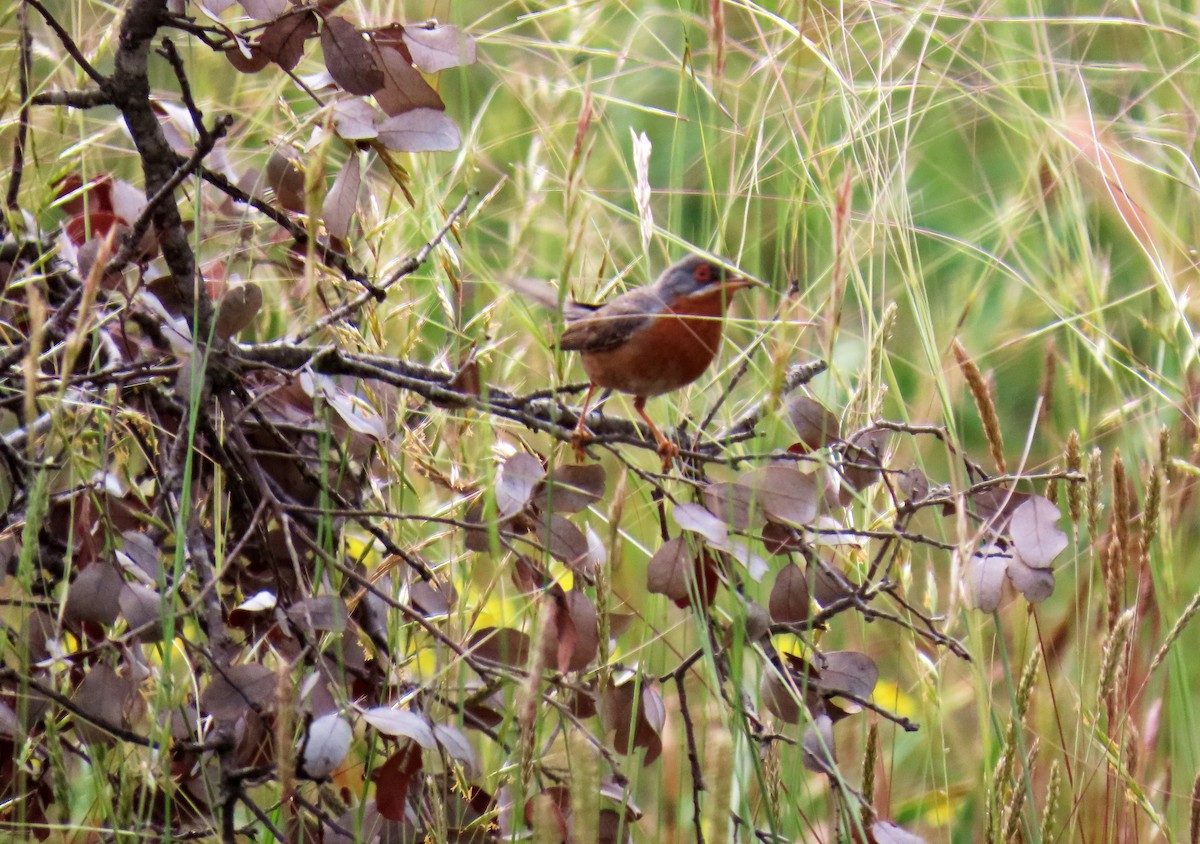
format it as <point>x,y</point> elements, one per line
<point>670,351</point>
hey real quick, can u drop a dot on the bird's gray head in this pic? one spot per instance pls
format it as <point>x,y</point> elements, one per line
<point>694,274</point>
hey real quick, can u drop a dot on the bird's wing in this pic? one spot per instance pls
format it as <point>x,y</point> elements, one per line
<point>610,326</point>
<point>547,295</point>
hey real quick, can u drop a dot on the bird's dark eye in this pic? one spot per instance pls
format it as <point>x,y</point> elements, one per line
<point>703,274</point>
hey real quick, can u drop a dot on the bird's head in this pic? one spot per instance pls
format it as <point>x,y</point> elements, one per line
<point>697,276</point>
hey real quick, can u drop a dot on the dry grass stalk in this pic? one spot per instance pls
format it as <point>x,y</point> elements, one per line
<point>984,404</point>
<point>1074,491</point>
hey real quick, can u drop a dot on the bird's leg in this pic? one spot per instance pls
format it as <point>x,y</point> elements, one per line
<point>667,450</point>
<point>581,436</point>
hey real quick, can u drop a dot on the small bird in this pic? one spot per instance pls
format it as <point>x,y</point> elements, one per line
<point>650,340</point>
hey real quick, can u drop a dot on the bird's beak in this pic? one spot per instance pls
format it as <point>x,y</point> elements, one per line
<point>738,282</point>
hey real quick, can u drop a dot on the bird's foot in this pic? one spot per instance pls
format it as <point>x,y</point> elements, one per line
<point>579,441</point>
<point>667,452</point>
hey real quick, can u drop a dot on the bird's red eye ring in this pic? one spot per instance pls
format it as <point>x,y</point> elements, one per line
<point>703,274</point>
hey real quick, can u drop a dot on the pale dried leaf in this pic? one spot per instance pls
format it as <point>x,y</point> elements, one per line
<point>420,130</point>
<point>435,47</point>
<point>1035,533</point>
<point>328,741</point>
<point>402,723</point>
<point>342,200</point>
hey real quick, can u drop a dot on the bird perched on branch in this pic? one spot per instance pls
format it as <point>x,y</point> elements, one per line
<point>647,341</point>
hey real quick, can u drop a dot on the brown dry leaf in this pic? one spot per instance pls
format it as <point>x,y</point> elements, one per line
<point>863,458</point>
<point>637,720</point>
<point>733,504</point>
<point>95,595</point>
<point>283,39</point>
<point>140,606</point>
<point>785,494</point>
<point>566,543</point>
<point>519,476</point>
<point>500,645</point>
<point>778,698</point>
<point>106,697</point>
<point>337,211</point>
<point>323,613</point>
<point>350,58</point>
<point>571,488</point>
<point>393,779</point>
<point>789,602</point>
<point>246,58</point>
<point>239,306</point>
<point>433,599</point>
<point>848,672</point>
<point>238,688</point>
<point>913,483</point>
<point>816,424</point>
<point>434,47</point>
<point>285,177</point>
<point>670,570</point>
<point>404,89</point>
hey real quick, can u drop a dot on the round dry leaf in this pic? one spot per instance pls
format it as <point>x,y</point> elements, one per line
<point>107,699</point>
<point>459,749</point>
<point>95,595</point>
<point>354,119</point>
<point>816,424</point>
<point>435,47</point>
<point>733,504</point>
<point>1035,533</point>
<point>342,200</point>
<point>587,630</point>
<point>570,488</point>
<point>321,613</point>
<point>847,671</point>
<point>778,698</point>
<point>349,57</point>
<point>286,178</point>
<point>670,569</point>
<point>785,494</point>
<point>264,10</point>
<point>863,458</point>
<point>433,599</point>
<point>789,602</point>
<point>237,690</point>
<point>141,607</point>
<point>328,742</point>
<point>420,130</point>
<point>519,476</point>
<point>566,543</point>
<point>914,484</point>
<point>886,832</point>
<point>404,89</point>
<point>138,555</point>
<point>754,564</point>
<point>500,645</point>
<point>817,746</point>
<point>282,40</point>
<point>983,576</point>
<point>239,306</point>
<point>697,519</point>
<point>1035,584</point>
<point>400,723</point>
